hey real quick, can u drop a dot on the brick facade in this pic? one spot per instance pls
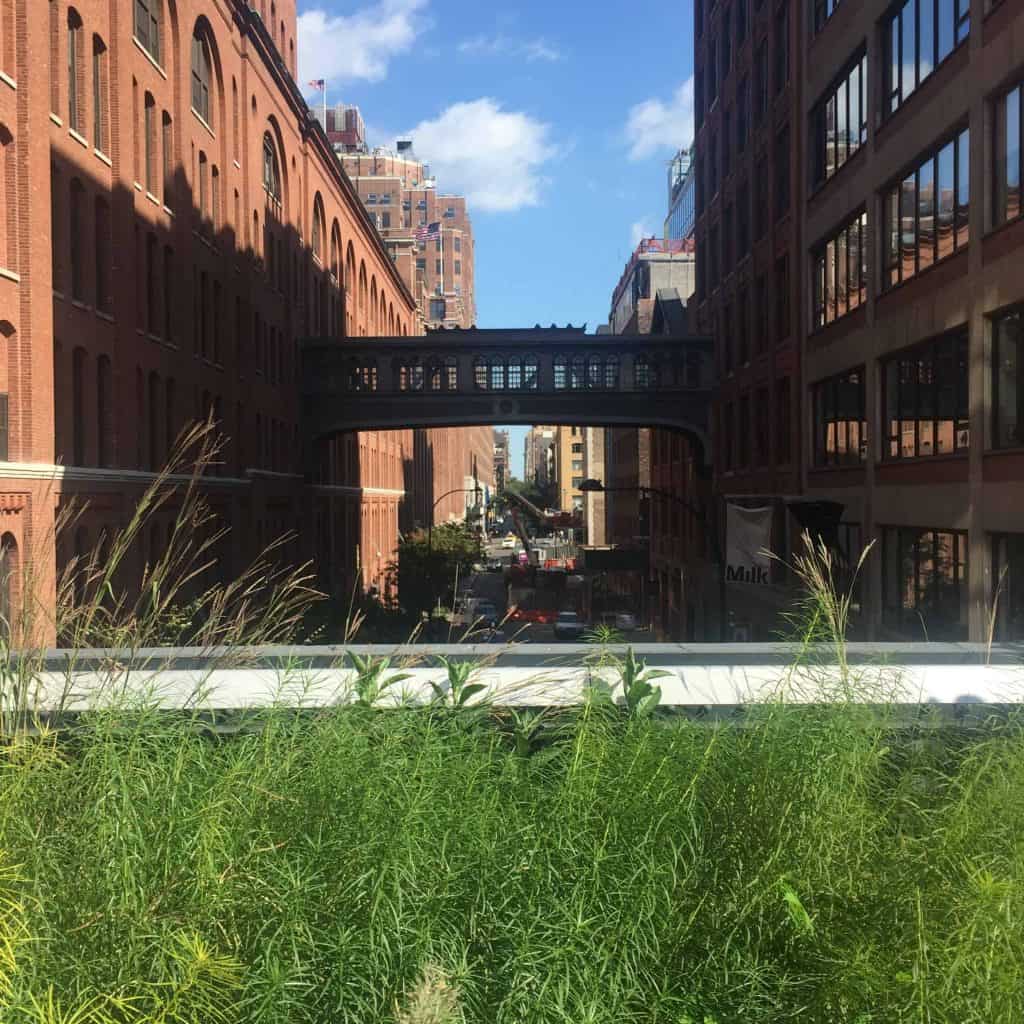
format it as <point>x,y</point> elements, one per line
<point>175,222</point>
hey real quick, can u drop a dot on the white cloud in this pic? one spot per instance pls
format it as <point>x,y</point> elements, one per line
<point>501,45</point>
<point>639,230</point>
<point>655,125</point>
<point>344,47</point>
<point>492,156</point>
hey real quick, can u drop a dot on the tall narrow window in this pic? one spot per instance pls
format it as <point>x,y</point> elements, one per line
<point>4,428</point>
<point>781,47</point>
<point>56,229</point>
<point>104,292</point>
<point>8,200</point>
<point>103,411</point>
<point>218,324</point>
<point>152,310</point>
<point>78,407</point>
<point>201,76</point>
<point>76,122</point>
<point>234,115</point>
<point>99,94</point>
<point>170,425</point>
<point>148,15</point>
<point>168,291</point>
<point>54,56</point>
<point>204,186</point>
<point>154,421</point>
<point>1008,380</point>
<point>76,195</point>
<point>1007,163</point>
<point>149,141</point>
<point>167,153</point>
<point>215,198</point>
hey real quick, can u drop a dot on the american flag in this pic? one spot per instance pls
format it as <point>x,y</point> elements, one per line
<point>317,83</point>
<point>428,231</point>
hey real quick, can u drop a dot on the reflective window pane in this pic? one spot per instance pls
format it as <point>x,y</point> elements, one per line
<point>963,187</point>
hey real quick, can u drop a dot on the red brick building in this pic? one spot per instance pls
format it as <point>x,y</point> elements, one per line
<point>747,113</point>
<point>173,221</point>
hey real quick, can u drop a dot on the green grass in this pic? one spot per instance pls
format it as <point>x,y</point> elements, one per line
<point>813,866</point>
<point>450,865</point>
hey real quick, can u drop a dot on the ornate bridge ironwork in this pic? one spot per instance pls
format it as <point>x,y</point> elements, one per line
<point>544,375</point>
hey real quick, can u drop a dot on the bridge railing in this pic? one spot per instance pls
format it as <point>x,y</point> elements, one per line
<point>964,678</point>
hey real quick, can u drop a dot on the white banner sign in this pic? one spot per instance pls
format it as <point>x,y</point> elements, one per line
<point>748,539</point>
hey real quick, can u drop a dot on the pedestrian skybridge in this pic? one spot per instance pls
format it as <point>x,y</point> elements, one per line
<point>453,378</point>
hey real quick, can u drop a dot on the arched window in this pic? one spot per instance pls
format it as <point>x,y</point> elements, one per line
<point>336,252</point>
<point>149,143</point>
<point>148,18</point>
<point>167,148</point>
<point>595,373</point>
<point>78,407</point>
<point>435,375</point>
<point>104,423</point>
<point>578,378</point>
<point>76,119</point>
<point>99,94</point>
<point>54,56</point>
<point>641,372</point>
<point>8,571</point>
<point>271,169</point>
<point>497,373</point>
<point>6,336</point>
<point>319,228</point>
<point>8,199</point>
<point>201,76</point>
<point>451,367</point>
<point>561,374</point>
<point>77,200</point>
<point>531,373</point>
<point>611,373</point>
<point>515,373</point>
<point>480,377</point>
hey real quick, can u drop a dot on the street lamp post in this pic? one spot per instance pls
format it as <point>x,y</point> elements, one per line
<point>447,494</point>
<point>710,531</point>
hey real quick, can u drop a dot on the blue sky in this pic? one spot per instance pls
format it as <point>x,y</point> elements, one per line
<point>555,119</point>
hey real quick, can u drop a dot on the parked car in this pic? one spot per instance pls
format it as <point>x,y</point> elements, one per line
<point>569,626</point>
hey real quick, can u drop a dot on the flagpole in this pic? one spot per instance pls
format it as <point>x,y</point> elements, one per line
<point>325,106</point>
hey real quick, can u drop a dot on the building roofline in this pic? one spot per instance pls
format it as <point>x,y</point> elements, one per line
<point>311,130</point>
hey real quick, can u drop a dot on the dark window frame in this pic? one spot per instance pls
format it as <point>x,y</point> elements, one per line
<point>908,541</point>
<point>895,210</point>
<point>826,253</point>
<point>827,409</point>
<point>1014,438</point>
<point>920,387</point>
<point>1001,194</point>
<point>894,90</point>
<point>825,120</point>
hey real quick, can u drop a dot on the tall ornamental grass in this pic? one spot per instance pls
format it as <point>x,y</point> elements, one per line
<point>454,864</point>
